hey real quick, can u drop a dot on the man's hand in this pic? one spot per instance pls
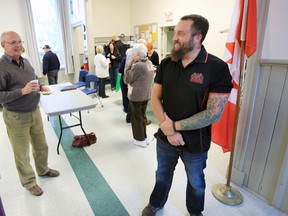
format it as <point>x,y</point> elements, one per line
<point>167,126</point>
<point>30,86</point>
<point>45,89</point>
<point>176,139</point>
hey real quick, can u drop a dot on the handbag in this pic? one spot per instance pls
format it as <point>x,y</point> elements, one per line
<point>81,141</point>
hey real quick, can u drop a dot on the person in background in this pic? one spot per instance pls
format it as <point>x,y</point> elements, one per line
<point>152,54</point>
<point>124,87</point>
<point>120,46</point>
<point>51,65</point>
<point>115,59</point>
<point>138,76</point>
<point>101,70</point>
<point>128,60</point>
<point>20,98</point>
<point>190,91</point>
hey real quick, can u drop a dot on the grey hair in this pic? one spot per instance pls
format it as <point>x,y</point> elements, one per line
<point>140,50</point>
<point>142,41</point>
<point>128,51</point>
<point>3,36</point>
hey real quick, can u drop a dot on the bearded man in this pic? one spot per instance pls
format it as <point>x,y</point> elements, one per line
<point>190,91</point>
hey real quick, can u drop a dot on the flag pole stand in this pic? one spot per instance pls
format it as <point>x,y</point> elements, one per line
<point>227,194</point>
<point>224,192</point>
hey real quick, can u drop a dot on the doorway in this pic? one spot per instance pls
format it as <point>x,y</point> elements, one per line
<point>167,34</point>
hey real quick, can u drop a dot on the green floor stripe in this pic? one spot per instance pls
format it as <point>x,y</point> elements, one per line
<point>100,196</point>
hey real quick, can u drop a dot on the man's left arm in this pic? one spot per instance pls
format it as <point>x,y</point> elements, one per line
<point>213,112</point>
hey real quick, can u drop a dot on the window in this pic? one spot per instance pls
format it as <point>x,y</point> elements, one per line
<point>48,27</point>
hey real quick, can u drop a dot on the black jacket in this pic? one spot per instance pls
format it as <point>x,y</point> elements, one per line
<point>50,62</point>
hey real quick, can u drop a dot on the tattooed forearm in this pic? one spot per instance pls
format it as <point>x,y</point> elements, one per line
<point>215,107</point>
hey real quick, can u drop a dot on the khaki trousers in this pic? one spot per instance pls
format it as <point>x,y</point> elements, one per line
<point>23,128</point>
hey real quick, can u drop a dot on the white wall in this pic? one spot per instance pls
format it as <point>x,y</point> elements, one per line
<point>115,16</point>
<point>10,18</point>
<point>218,13</point>
<point>275,45</point>
<point>110,17</point>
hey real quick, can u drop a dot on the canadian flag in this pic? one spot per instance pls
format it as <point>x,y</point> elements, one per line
<point>243,28</point>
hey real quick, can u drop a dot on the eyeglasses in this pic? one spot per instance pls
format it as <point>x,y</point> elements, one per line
<point>15,43</point>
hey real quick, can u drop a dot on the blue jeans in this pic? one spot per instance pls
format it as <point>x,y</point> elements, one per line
<point>167,157</point>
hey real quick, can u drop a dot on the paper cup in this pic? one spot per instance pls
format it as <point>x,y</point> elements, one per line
<point>34,81</point>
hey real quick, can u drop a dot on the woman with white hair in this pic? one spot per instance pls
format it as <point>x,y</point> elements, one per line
<point>139,76</point>
<point>101,70</point>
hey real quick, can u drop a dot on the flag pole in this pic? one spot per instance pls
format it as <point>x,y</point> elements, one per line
<point>224,192</point>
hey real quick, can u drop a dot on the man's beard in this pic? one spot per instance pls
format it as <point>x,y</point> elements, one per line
<point>178,53</point>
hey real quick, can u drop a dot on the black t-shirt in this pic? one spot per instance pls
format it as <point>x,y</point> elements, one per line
<point>186,90</point>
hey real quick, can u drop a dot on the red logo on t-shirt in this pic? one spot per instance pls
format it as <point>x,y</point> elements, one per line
<point>197,78</point>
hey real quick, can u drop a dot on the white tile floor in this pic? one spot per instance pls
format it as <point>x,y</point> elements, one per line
<point>128,169</point>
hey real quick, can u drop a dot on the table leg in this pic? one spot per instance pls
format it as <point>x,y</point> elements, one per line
<point>61,130</point>
<point>80,120</point>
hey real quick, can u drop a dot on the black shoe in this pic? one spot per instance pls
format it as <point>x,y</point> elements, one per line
<point>128,120</point>
<point>105,96</point>
<point>150,210</point>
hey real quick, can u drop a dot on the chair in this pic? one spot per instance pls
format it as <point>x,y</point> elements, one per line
<point>91,78</point>
<point>82,78</point>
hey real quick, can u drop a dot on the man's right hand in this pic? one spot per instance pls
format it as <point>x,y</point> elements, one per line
<point>30,86</point>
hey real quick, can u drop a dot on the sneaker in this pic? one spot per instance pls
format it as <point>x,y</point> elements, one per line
<point>148,122</point>
<point>147,141</point>
<point>51,173</point>
<point>36,191</point>
<point>142,144</point>
<point>150,210</point>
<point>196,214</point>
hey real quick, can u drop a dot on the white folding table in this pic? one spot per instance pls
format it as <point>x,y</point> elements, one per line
<point>64,102</point>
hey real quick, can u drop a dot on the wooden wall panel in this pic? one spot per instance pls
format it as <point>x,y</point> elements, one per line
<point>278,142</point>
<point>271,103</point>
<point>256,120</point>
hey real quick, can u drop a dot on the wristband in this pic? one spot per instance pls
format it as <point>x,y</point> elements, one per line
<point>174,126</point>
